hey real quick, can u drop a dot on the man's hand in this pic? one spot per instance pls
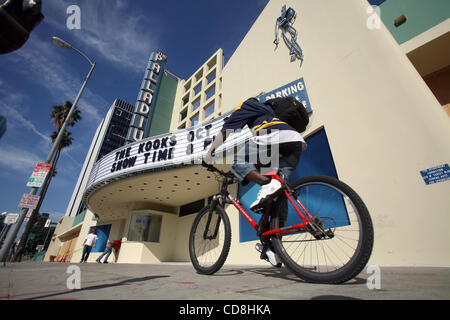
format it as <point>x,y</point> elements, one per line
<point>220,138</point>
<point>208,157</point>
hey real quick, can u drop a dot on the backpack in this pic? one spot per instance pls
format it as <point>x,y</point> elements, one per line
<point>291,111</point>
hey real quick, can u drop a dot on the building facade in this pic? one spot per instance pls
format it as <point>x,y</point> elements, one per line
<point>119,123</point>
<point>375,124</point>
<point>199,98</point>
<point>422,31</point>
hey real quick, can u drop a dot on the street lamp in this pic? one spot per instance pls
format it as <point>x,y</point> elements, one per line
<point>15,227</point>
<point>63,44</point>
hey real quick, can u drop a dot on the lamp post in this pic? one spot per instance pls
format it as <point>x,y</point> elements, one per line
<point>12,233</point>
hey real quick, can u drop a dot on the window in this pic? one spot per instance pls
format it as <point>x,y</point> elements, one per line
<point>192,207</point>
<point>144,227</point>
<point>187,86</point>
<point>212,63</point>
<point>194,120</point>
<point>183,114</point>
<point>197,89</point>
<point>210,78</point>
<point>102,237</point>
<point>209,110</point>
<point>211,92</point>
<point>195,104</point>
<point>185,100</point>
<point>199,75</point>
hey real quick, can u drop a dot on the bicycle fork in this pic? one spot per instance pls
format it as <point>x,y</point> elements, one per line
<point>212,207</point>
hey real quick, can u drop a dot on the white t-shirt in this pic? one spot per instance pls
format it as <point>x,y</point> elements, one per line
<point>90,239</point>
<point>278,137</point>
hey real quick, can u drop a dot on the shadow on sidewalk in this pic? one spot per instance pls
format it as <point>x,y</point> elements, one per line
<point>102,286</point>
<point>280,273</point>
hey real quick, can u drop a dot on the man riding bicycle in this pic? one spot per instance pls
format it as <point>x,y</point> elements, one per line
<point>272,135</point>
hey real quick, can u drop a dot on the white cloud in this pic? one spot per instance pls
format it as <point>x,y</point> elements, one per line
<point>17,119</point>
<point>18,159</point>
<point>115,29</point>
<point>58,80</point>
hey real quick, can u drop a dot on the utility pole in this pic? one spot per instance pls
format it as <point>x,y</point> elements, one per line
<point>12,233</point>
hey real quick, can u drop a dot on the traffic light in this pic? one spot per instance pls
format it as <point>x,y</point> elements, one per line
<point>17,19</point>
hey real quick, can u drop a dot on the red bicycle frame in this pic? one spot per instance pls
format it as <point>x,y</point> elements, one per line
<point>285,230</point>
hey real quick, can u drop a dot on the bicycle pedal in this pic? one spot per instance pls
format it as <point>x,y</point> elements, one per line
<point>258,209</point>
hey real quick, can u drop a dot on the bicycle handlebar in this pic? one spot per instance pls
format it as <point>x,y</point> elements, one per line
<point>210,167</point>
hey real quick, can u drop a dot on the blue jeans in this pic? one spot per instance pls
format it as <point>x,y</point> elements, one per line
<point>86,250</point>
<point>107,253</point>
<point>252,156</point>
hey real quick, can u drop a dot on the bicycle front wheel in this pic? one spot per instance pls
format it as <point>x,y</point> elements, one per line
<point>342,248</point>
<point>210,240</point>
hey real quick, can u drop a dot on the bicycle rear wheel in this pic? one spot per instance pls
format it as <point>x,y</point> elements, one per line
<point>210,240</point>
<point>338,211</point>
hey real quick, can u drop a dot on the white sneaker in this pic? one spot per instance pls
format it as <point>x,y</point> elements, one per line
<point>269,255</point>
<point>273,258</point>
<point>259,247</point>
<point>267,192</point>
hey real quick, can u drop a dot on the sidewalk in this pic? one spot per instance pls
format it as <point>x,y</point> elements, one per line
<point>179,281</point>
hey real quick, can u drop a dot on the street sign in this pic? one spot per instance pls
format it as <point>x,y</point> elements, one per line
<point>27,217</point>
<point>436,174</point>
<point>38,176</point>
<point>11,218</point>
<point>28,201</point>
<point>295,89</point>
<point>47,223</point>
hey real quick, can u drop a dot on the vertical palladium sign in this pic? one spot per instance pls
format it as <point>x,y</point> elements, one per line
<point>145,104</point>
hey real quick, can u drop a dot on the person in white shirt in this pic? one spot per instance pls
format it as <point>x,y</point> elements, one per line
<point>89,242</point>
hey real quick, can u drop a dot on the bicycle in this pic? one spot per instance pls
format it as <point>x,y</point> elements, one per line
<point>325,235</point>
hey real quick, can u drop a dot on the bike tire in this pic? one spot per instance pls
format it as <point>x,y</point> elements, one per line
<point>362,243</point>
<point>209,255</point>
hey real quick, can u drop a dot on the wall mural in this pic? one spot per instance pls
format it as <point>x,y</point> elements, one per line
<point>288,33</point>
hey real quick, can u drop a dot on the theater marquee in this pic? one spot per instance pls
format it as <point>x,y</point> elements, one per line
<point>183,147</point>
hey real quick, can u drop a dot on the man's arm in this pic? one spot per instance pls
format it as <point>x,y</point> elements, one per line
<point>220,138</point>
<point>247,110</point>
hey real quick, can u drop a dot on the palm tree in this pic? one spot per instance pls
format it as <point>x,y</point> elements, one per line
<point>58,116</point>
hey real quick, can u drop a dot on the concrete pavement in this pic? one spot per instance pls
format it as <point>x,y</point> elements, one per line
<point>179,281</point>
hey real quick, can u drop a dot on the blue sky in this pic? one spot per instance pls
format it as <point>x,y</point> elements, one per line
<point>119,36</point>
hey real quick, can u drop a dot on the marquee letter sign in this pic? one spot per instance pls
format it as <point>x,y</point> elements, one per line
<point>143,110</point>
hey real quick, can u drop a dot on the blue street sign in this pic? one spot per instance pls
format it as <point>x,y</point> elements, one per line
<point>296,89</point>
<point>436,174</point>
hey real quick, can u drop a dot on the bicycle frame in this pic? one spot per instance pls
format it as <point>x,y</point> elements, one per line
<point>298,206</point>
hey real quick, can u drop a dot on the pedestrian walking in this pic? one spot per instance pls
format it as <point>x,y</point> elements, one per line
<point>106,253</point>
<point>89,242</point>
